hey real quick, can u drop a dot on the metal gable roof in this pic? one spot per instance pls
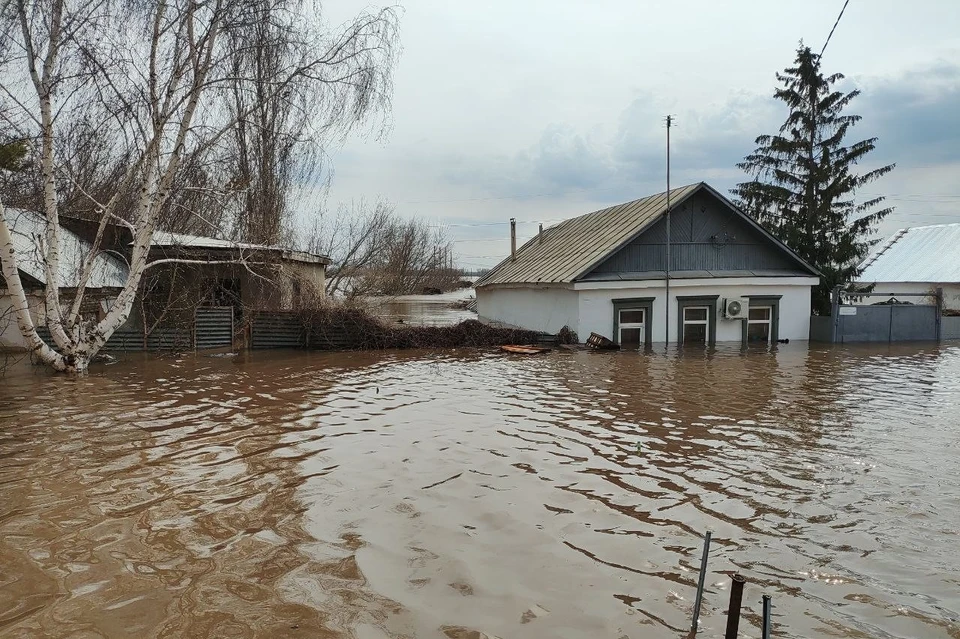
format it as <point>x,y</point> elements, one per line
<point>570,249</point>
<point>573,246</point>
<point>167,240</point>
<point>917,254</point>
<point>28,229</point>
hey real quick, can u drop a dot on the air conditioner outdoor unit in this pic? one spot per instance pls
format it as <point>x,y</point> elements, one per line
<point>735,307</point>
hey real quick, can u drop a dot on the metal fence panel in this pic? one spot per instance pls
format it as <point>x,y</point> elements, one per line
<point>127,340</point>
<point>950,328</point>
<point>913,323</point>
<point>278,330</point>
<point>821,328</point>
<point>869,324</point>
<point>887,323</point>
<point>169,339</point>
<point>214,327</point>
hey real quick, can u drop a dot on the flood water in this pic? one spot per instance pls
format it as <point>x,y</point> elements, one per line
<point>425,310</point>
<point>468,494</point>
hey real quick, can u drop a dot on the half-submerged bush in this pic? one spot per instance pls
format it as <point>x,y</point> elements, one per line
<point>351,326</point>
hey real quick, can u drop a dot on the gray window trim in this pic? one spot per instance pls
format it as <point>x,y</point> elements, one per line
<point>710,301</point>
<point>624,303</point>
<point>766,300</point>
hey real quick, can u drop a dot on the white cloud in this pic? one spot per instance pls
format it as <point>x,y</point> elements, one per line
<point>540,110</point>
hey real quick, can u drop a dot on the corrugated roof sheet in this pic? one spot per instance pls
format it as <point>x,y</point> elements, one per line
<point>570,249</point>
<point>917,254</point>
<point>164,239</point>
<point>573,246</point>
<point>27,228</point>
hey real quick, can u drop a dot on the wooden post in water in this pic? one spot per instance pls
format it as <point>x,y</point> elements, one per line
<point>733,611</point>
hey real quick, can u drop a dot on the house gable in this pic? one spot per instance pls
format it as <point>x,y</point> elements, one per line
<point>707,237</point>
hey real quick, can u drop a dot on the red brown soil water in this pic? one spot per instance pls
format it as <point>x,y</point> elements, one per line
<point>470,494</point>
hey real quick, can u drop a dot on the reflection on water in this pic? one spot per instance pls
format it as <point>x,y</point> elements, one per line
<point>425,310</point>
<point>467,494</point>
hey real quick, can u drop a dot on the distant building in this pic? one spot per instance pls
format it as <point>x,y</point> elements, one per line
<point>918,260</point>
<point>605,272</point>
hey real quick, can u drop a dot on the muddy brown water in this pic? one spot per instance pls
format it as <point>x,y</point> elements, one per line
<point>466,494</point>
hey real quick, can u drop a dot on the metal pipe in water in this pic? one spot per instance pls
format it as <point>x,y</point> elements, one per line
<point>765,630</point>
<point>701,582</point>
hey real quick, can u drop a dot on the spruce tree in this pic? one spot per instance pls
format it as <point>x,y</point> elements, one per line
<point>805,183</point>
<point>12,156</point>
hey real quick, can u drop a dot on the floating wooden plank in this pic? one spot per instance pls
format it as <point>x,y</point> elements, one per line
<point>523,350</point>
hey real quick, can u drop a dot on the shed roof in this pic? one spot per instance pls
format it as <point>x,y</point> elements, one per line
<point>27,229</point>
<point>916,254</point>
<point>164,239</point>
<point>569,250</point>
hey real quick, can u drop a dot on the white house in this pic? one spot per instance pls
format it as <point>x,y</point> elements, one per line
<point>605,272</point>
<point>918,260</point>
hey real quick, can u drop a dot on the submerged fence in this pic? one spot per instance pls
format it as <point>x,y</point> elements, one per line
<point>332,329</point>
<point>131,340</point>
<point>895,319</point>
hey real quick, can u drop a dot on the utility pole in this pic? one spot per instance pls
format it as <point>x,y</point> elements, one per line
<point>669,124</point>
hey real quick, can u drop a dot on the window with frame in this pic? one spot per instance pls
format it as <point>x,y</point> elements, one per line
<point>696,324</point>
<point>759,324</point>
<point>632,323</point>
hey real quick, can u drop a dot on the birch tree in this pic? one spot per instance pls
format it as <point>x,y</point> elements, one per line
<point>155,79</point>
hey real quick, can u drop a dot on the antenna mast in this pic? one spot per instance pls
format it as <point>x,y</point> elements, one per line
<point>667,307</point>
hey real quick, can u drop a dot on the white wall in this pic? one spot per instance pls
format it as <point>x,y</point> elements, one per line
<point>534,308</point>
<point>951,293</point>
<point>10,337</point>
<point>596,306</point>
<point>589,307</point>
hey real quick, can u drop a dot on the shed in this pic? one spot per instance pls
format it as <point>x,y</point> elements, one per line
<point>918,260</point>
<point>28,230</point>
<point>606,272</point>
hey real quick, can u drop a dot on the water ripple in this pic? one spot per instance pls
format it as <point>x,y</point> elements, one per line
<point>466,494</point>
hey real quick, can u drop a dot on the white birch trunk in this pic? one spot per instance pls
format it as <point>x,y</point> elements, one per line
<point>11,274</point>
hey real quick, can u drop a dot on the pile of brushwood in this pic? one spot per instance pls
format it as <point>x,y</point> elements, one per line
<point>347,326</point>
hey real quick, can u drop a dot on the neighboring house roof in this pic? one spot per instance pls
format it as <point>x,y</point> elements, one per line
<point>165,240</point>
<point>917,254</point>
<point>28,230</point>
<point>571,249</point>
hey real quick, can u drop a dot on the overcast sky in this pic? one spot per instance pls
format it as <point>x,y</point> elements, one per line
<point>542,110</point>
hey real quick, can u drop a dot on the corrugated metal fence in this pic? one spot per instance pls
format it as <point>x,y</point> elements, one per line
<point>213,327</point>
<point>160,339</point>
<point>278,330</point>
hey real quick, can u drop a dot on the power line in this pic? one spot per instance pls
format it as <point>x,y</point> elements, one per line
<point>846,2</point>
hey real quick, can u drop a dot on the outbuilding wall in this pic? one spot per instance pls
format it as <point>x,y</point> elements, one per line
<point>10,337</point>
<point>534,308</point>
<point>951,293</point>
